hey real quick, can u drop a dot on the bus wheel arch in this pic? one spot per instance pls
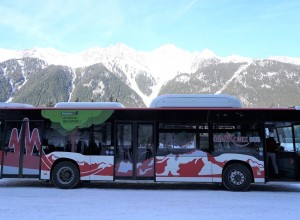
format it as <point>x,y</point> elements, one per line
<point>65,174</point>
<point>237,176</point>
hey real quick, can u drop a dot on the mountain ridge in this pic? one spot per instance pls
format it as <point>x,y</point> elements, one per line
<point>144,75</point>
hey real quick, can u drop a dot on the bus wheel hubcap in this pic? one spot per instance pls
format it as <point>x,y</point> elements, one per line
<point>65,175</point>
<point>237,178</point>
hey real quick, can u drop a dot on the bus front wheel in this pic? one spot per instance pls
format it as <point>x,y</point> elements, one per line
<point>237,177</point>
<point>65,175</point>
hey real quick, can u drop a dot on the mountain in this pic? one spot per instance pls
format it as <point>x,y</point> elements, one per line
<point>44,76</point>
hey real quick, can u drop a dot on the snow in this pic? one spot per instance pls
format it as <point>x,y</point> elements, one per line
<point>234,76</point>
<point>183,79</point>
<point>34,199</point>
<point>100,90</point>
<point>167,61</point>
<point>6,54</point>
<point>291,60</point>
<point>72,70</point>
<point>266,86</point>
<point>270,74</point>
<point>163,63</point>
<point>236,59</point>
<point>21,63</point>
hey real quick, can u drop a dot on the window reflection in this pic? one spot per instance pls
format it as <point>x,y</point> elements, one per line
<point>182,139</point>
<point>94,140</point>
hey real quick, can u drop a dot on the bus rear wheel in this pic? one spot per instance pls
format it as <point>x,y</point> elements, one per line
<point>65,175</point>
<point>237,177</point>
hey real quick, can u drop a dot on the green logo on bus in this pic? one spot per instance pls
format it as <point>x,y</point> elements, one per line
<point>71,119</point>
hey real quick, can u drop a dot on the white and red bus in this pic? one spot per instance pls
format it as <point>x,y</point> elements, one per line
<point>179,138</point>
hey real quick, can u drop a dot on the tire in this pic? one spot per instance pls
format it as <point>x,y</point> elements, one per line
<point>65,175</point>
<point>237,177</point>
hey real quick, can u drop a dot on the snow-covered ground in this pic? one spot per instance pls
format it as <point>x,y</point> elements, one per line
<point>33,199</point>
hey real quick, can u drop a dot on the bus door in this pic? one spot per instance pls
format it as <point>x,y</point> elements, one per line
<point>288,153</point>
<point>21,149</point>
<point>1,143</point>
<point>297,149</point>
<point>134,158</point>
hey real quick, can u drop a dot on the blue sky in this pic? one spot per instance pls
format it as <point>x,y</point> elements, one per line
<point>253,28</point>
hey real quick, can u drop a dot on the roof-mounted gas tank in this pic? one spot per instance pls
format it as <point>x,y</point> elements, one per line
<point>89,105</point>
<point>195,101</point>
<point>15,105</point>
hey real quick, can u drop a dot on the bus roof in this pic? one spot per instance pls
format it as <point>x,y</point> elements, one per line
<point>89,105</point>
<point>195,101</point>
<point>172,101</point>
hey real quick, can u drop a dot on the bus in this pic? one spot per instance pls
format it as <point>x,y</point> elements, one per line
<point>178,138</point>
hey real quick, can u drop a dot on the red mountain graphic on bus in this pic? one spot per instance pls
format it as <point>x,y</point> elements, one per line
<point>101,169</point>
<point>190,166</point>
<point>185,165</point>
<point>23,144</point>
<point>86,169</point>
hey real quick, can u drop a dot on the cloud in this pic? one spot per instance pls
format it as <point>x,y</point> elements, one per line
<point>183,9</point>
<point>27,19</point>
<point>59,21</point>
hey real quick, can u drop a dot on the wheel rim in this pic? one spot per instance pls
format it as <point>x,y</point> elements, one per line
<point>65,175</point>
<point>237,178</point>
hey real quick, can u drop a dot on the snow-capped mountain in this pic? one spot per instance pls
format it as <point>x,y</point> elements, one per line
<point>292,60</point>
<point>136,77</point>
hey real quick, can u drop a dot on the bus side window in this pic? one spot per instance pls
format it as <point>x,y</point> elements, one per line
<point>102,141</point>
<point>285,138</point>
<point>204,143</point>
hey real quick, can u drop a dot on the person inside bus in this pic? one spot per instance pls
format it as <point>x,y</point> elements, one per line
<point>45,146</point>
<point>93,148</point>
<point>81,146</point>
<point>271,147</point>
<point>68,146</point>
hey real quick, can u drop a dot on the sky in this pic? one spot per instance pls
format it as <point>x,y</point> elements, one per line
<point>251,28</point>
